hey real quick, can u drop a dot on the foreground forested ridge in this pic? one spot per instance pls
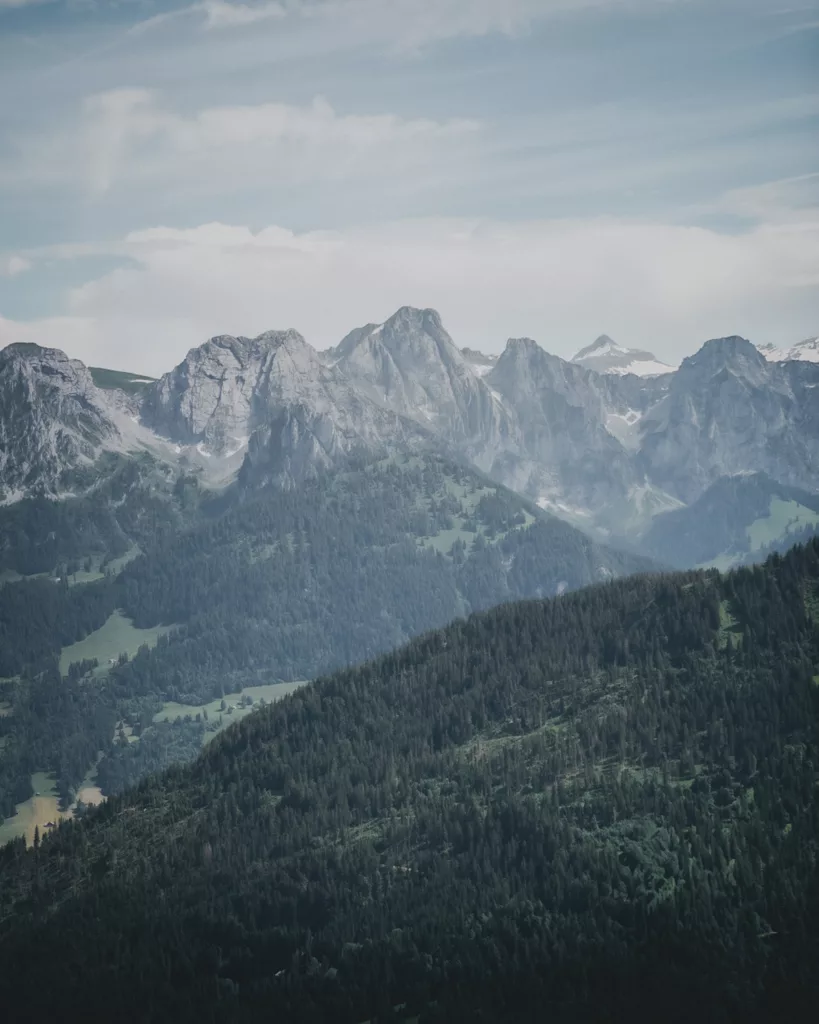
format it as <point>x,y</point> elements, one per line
<point>259,588</point>
<point>574,810</point>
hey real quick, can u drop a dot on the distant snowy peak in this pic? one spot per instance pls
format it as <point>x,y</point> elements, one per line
<point>479,362</point>
<point>606,356</point>
<point>806,351</point>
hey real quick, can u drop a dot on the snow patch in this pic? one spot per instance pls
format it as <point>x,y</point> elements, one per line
<point>642,368</point>
<point>561,509</point>
<point>806,351</point>
<point>625,427</point>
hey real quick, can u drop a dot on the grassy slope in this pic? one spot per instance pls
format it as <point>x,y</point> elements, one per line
<point>130,383</point>
<point>784,517</point>
<point>172,712</point>
<point>117,636</point>
<point>737,520</point>
<point>34,812</point>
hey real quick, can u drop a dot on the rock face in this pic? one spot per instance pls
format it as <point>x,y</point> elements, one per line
<point>606,356</point>
<point>570,457</point>
<point>411,365</point>
<point>479,362</point>
<point>728,410</point>
<point>224,389</point>
<point>53,421</point>
<point>275,398</point>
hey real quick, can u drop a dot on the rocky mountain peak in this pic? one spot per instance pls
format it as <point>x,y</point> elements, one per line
<point>600,345</point>
<point>479,362</point>
<point>53,420</point>
<point>605,356</point>
<point>472,355</point>
<point>412,366</point>
<point>218,393</point>
<point>518,348</point>
<point>734,354</point>
<point>50,363</point>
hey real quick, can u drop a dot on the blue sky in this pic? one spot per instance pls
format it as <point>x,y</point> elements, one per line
<point>551,168</point>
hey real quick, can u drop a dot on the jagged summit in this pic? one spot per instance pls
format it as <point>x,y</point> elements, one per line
<point>411,365</point>
<point>604,355</point>
<point>733,353</point>
<point>518,346</point>
<point>806,351</point>
<point>24,350</point>
<point>479,362</point>
<point>474,356</point>
<point>599,346</point>
<point>226,387</point>
<point>53,420</point>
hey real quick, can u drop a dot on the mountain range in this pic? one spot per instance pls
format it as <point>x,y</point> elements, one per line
<point>609,440</point>
<point>597,805</point>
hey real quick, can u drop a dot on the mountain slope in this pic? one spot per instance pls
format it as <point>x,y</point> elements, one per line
<point>737,520</point>
<point>258,587</point>
<point>566,455</point>
<point>598,808</point>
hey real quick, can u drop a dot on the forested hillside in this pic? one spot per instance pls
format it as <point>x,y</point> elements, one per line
<point>600,807</point>
<point>244,590</point>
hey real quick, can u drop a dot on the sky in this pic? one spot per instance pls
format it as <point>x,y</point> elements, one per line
<point>555,169</point>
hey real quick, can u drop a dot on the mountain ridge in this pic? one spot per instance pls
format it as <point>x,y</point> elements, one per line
<point>609,451</point>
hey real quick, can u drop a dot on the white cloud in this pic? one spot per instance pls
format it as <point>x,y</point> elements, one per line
<point>219,14</point>
<point>789,201</point>
<point>14,265</point>
<point>126,136</point>
<point>405,25</point>
<point>660,286</point>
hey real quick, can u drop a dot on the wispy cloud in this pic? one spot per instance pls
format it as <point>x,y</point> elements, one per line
<point>10,4</point>
<point>787,201</point>
<point>220,14</point>
<point>128,136</point>
<point>11,266</point>
<point>405,24</point>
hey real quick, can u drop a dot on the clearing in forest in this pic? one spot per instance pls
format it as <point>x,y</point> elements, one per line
<point>116,636</point>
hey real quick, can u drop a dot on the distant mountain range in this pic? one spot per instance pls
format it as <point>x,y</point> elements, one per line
<point>806,351</point>
<point>609,440</point>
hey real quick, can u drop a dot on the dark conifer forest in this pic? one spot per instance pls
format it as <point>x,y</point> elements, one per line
<point>254,589</point>
<point>600,807</point>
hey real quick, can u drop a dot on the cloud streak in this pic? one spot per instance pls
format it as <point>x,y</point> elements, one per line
<point>11,266</point>
<point>127,137</point>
